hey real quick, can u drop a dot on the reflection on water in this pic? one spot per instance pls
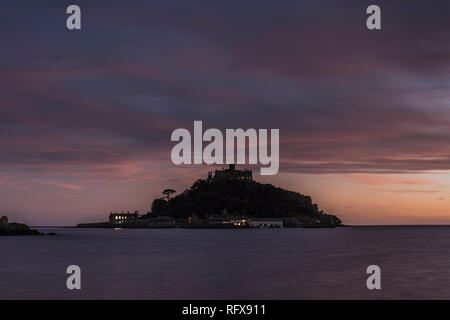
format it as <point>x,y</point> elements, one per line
<point>229,264</point>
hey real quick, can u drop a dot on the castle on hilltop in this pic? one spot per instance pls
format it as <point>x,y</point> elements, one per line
<point>231,174</point>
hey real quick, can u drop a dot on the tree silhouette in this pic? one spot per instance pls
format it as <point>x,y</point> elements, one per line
<point>167,193</point>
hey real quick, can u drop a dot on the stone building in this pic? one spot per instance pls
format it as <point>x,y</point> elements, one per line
<point>123,219</point>
<point>231,174</point>
<point>265,223</point>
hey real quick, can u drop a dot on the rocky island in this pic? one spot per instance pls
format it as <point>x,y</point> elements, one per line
<point>228,199</point>
<point>16,229</point>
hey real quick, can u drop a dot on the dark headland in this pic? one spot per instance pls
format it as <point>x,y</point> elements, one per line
<point>229,199</point>
<point>17,229</point>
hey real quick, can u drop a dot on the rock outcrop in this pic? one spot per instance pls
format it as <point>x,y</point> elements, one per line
<point>15,229</point>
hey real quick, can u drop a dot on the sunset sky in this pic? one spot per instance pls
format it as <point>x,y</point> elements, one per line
<point>86,116</point>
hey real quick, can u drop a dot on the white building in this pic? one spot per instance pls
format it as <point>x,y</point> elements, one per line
<point>266,223</point>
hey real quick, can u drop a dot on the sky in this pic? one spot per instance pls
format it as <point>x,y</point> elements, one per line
<point>86,116</point>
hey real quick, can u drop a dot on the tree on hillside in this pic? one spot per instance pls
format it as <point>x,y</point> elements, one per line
<point>168,193</point>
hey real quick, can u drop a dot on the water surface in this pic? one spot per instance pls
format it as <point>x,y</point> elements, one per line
<point>228,264</point>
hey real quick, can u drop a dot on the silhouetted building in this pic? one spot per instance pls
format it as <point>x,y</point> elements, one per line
<point>4,225</point>
<point>119,219</point>
<point>235,221</point>
<point>265,223</point>
<point>232,174</point>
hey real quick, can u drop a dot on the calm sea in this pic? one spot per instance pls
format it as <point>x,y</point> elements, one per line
<point>229,264</point>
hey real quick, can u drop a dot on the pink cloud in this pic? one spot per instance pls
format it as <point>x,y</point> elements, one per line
<point>408,191</point>
<point>63,185</point>
<point>387,179</point>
